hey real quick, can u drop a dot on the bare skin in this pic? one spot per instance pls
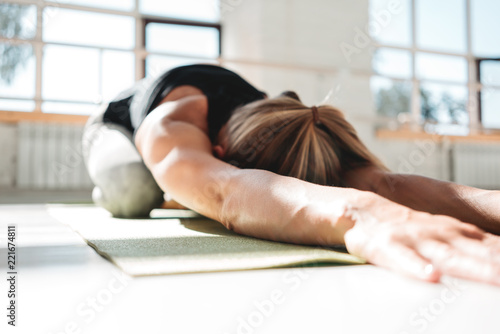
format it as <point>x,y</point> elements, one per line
<point>477,206</point>
<point>175,146</point>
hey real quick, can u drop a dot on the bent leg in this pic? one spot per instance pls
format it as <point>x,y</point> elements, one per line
<point>123,184</point>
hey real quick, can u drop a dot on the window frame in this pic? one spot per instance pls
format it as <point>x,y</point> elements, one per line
<point>478,78</point>
<point>139,51</point>
<point>473,84</point>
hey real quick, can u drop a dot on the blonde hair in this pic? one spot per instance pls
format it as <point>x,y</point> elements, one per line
<point>285,137</point>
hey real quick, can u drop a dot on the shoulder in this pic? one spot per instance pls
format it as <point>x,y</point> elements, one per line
<point>174,124</point>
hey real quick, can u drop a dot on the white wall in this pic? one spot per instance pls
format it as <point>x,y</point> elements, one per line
<point>295,45</point>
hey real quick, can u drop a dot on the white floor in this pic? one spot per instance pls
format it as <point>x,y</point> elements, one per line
<point>65,287</point>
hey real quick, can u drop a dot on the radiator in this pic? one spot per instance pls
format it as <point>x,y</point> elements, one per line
<point>49,157</point>
<point>476,165</point>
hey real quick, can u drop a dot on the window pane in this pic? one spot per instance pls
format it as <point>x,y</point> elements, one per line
<point>392,62</point>
<point>17,71</point>
<point>182,40</point>
<point>490,108</point>
<point>17,21</point>
<point>17,105</point>
<point>490,72</point>
<point>438,67</point>
<point>155,65</point>
<point>70,74</point>
<point>485,27</point>
<point>392,98</point>
<point>68,108</point>
<point>441,25</point>
<point>390,22</point>
<point>126,5</point>
<point>198,10</point>
<point>444,103</point>
<point>118,73</point>
<point>85,28</point>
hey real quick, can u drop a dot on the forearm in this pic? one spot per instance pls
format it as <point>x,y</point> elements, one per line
<point>269,206</point>
<point>260,203</point>
<point>472,205</point>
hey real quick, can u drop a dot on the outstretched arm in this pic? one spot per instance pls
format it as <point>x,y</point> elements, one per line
<point>468,204</point>
<point>266,205</point>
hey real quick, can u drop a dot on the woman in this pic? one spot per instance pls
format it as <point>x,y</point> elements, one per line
<point>410,224</point>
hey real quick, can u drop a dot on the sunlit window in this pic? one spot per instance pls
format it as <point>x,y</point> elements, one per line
<point>197,10</point>
<point>171,44</point>
<point>437,63</point>
<point>489,96</point>
<point>84,52</point>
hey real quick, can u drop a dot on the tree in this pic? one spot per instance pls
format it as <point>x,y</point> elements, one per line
<point>11,25</point>
<point>456,108</point>
<point>428,107</point>
<point>394,100</point>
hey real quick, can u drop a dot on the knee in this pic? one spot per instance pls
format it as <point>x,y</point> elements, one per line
<point>127,191</point>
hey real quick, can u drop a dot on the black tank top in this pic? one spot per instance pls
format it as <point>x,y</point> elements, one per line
<point>224,89</point>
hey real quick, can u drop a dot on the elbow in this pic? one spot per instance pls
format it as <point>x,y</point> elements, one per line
<point>185,178</point>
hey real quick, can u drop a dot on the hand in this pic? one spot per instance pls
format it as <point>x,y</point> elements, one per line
<point>422,245</point>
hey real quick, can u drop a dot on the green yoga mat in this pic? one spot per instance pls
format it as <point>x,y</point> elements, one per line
<point>180,241</point>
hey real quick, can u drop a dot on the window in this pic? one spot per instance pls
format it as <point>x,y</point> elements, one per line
<point>437,63</point>
<point>188,43</point>
<point>488,97</point>
<point>69,56</point>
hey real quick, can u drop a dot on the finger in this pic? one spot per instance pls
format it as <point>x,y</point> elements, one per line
<point>451,261</point>
<point>472,231</point>
<point>487,249</point>
<point>408,262</point>
<point>470,268</point>
<point>493,241</point>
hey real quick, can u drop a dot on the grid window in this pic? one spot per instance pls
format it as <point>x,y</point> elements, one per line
<point>172,44</point>
<point>182,40</point>
<point>449,51</point>
<point>87,28</point>
<point>83,53</point>
<point>488,71</point>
